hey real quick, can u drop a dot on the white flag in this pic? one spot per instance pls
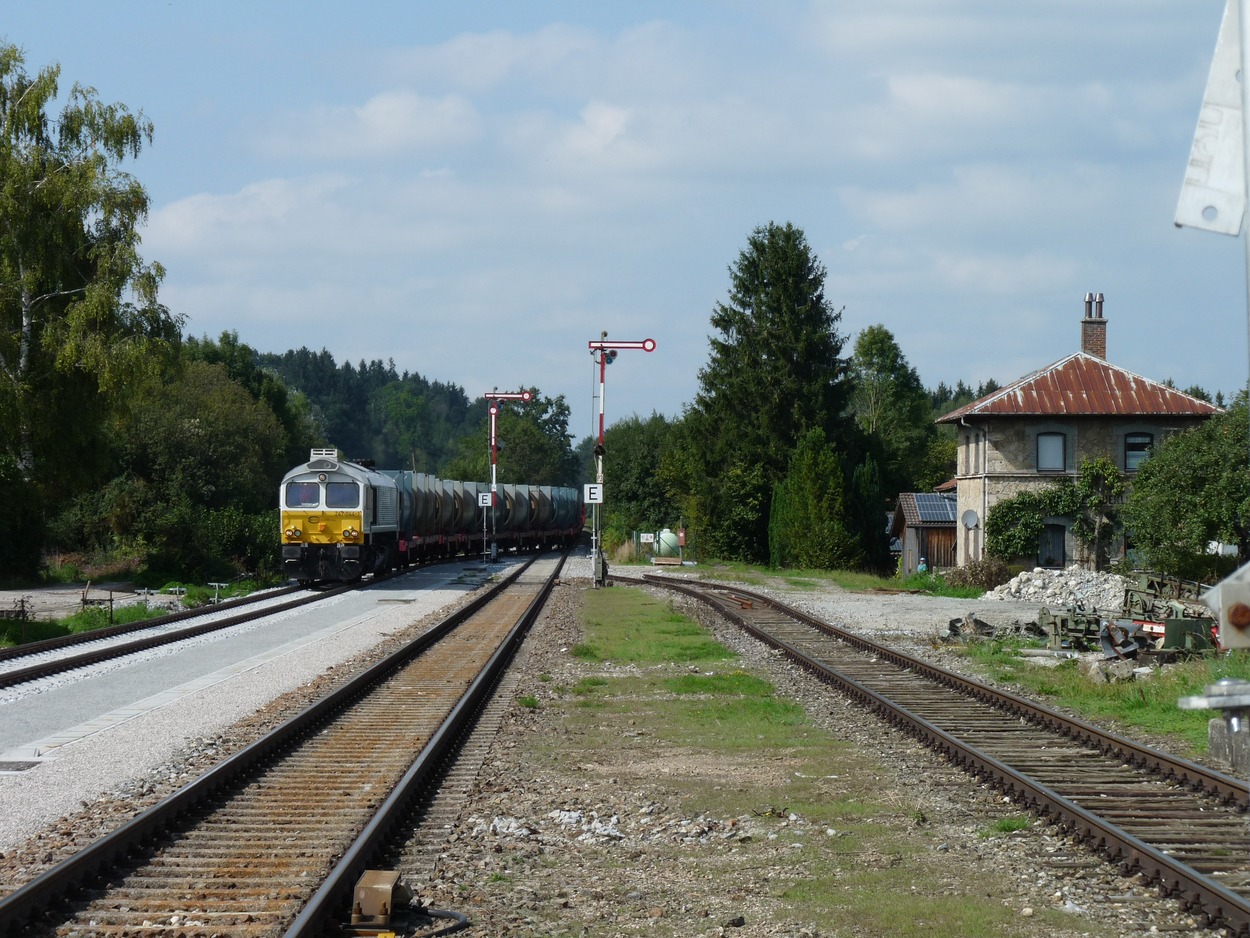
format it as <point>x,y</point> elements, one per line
<point>1213,196</point>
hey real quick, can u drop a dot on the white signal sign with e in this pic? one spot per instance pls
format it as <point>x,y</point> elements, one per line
<point>594,494</point>
<point>485,499</point>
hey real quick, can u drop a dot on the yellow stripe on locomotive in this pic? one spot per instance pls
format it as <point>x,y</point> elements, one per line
<point>322,527</point>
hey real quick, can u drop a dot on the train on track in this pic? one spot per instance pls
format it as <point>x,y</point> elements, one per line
<point>342,519</point>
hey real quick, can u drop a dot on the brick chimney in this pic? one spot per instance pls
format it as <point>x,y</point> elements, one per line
<point>1094,327</point>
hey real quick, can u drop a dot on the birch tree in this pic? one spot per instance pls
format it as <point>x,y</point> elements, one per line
<point>79,316</point>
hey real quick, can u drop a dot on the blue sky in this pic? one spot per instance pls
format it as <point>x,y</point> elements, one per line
<point>475,190</point>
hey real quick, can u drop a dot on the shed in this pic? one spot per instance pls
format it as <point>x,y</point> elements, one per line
<point>924,523</point>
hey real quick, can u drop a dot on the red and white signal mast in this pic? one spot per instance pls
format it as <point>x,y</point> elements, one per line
<point>604,353</point>
<point>493,396</point>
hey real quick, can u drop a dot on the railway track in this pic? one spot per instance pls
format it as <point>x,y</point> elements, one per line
<point>42,646</point>
<point>273,840</point>
<point>34,660</point>
<point>23,663</point>
<point>1182,825</point>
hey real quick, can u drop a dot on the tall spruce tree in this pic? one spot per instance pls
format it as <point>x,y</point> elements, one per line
<point>775,371</point>
<point>808,516</point>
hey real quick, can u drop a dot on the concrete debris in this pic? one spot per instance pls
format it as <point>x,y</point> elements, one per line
<point>1104,671</point>
<point>1060,589</point>
<point>972,626</point>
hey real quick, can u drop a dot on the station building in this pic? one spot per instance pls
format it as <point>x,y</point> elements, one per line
<point>1040,428</point>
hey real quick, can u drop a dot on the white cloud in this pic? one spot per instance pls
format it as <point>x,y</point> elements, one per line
<point>496,196</point>
<point>390,124</point>
<point>1009,201</point>
<point>555,58</point>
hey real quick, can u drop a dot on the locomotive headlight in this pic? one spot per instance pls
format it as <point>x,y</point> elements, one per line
<point>350,532</point>
<point>292,532</point>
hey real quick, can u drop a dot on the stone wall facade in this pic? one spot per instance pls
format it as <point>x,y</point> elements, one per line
<point>1001,457</point>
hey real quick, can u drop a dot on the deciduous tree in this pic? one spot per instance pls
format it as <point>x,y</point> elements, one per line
<point>535,446</point>
<point>891,405</point>
<point>79,316</point>
<point>638,500</point>
<point>1192,490</point>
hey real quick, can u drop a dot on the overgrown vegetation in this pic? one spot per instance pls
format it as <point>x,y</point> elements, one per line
<point>1014,527</point>
<point>13,632</point>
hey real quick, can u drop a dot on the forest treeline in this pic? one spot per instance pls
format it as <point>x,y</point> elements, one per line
<point>127,444</point>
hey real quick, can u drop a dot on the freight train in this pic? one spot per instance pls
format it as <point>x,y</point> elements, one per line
<point>343,519</point>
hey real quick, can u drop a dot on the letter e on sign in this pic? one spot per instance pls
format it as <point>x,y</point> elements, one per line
<point>594,494</point>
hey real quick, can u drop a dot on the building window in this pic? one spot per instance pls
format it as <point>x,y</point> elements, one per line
<point>1052,452</point>
<point>1136,448</point>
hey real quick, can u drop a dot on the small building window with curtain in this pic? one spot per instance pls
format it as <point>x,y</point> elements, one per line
<point>1052,452</point>
<point>1136,448</point>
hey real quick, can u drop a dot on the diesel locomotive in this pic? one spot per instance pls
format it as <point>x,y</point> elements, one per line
<point>343,519</point>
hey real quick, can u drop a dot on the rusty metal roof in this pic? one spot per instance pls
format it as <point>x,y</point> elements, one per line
<point>1084,385</point>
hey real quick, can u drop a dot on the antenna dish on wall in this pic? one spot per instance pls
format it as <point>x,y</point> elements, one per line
<point>969,519</point>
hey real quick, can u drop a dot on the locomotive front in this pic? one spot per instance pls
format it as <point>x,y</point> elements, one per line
<point>339,519</point>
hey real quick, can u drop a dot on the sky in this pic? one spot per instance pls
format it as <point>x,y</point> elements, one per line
<point>476,190</point>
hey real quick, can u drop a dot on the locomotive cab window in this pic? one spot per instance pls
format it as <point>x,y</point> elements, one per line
<point>342,495</point>
<point>303,495</point>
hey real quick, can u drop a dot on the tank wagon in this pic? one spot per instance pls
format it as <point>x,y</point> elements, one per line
<point>342,519</point>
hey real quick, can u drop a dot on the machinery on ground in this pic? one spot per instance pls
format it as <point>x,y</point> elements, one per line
<point>1166,609</point>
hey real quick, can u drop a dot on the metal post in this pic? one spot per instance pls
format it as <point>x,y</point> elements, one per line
<point>1245,152</point>
<point>605,352</point>
<point>497,395</point>
<point>494,487</point>
<point>1231,697</point>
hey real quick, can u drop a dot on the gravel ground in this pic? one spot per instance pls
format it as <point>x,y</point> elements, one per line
<point>582,832</point>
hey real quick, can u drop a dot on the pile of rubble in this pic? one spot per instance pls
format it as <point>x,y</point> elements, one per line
<point>1060,589</point>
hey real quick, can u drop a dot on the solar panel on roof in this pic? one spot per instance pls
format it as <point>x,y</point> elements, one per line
<point>934,506</point>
